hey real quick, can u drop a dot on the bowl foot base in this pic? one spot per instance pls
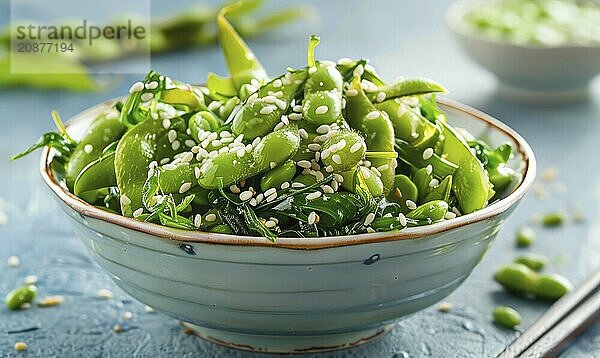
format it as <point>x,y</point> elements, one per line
<point>542,96</point>
<point>288,344</point>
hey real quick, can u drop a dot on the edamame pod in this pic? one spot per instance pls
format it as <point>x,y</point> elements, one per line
<point>375,126</point>
<point>278,175</point>
<point>343,151</point>
<point>517,278</point>
<point>407,87</point>
<point>432,211</point>
<point>104,130</point>
<point>470,180</point>
<point>551,286</point>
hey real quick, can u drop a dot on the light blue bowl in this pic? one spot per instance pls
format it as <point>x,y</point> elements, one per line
<point>300,294</point>
<point>528,73</point>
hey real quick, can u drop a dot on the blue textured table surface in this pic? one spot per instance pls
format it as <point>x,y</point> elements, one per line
<point>400,38</point>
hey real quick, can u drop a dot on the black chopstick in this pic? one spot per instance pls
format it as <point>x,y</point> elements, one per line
<point>584,295</point>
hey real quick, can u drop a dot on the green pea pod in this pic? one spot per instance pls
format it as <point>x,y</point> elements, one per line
<point>431,212</point>
<point>96,175</point>
<point>172,180</point>
<point>103,131</point>
<point>221,85</point>
<point>470,180</point>
<point>278,175</point>
<point>257,116</point>
<point>227,168</point>
<point>414,157</point>
<point>440,192</point>
<point>375,127</point>
<point>184,95</point>
<point>409,124</point>
<point>422,178</point>
<point>407,87</point>
<point>135,151</point>
<point>404,189</point>
<point>343,151</point>
<point>242,63</point>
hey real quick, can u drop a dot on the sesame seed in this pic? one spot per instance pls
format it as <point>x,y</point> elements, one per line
<point>271,197</point>
<point>456,211</point>
<point>355,147</point>
<point>303,133</point>
<point>295,116</point>
<point>270,223</point>
<point>175,145</point>
<point>245,195</point>
<point>380,97</point>
<point>320,175</point>
<point>189,143</point>
<point>322,129</point>
<point>269,99</point>
<point>411,204</point>
<point>148,309</point>
<point>427,153</point>
<point>383,168</point>
<point>304,164</point>
<point>279,126</point>
<point>325,154</point>
<point>267,110</point>
<point>169,167</point>
<point>312,70</point>
<point>88,148</point>
<point>450,215</point>
<point>187,157</point>
<point>367,163</point>
<point>314,165</point>
<point>297,108</point>
<point>358,71</point>
<point>211,217</point>
<point>313,195</point>
<point>136,87</point>
<point>30,280</point>
<point>50,301</point>
<point>22,346</point>
<point>104,294</point>
<point>184,187</point>
<point>314,146</point>
<point>321,110</point>
<point>376,172</point>
<point>313,218</point>
<point>445,307</point>
<point>145,97</point>
<point>402,219</point>
<point>338,177</point>
<point>429,169</point>
<point>369,219</point>
<point>152,85</point>
<point>125,200</point>
<point>328,189</point>
<point>317,156</point>
<point>127,315</point>
<point>398,193</point>
<point>285,185</point>
<point>295,185</point>
<point>433,183</point>
<point>138,212</point>
<point>281,104</point>
<point>13,261</point>
<point>345,61</point>
<point>351,92</point>
<point>197,220</point>
<point>117,328</point>
<point>370,230</point>
<point>334,185</point>
<point>336,159</point>
<point>373,115</point>
<point>285,120</point>
<point>277,83</point>
<point>328,169</point>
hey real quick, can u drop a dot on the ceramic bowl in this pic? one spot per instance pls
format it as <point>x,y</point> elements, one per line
<point>299,294</point>
<point>526,72</point>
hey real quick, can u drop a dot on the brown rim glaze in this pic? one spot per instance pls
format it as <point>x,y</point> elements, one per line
<point>527,178</point>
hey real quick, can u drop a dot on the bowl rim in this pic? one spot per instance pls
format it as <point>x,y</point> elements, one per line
<point>163,232</point>
<point>454,20</point>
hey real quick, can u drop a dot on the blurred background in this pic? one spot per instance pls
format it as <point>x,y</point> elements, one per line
<point>409,39</point>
